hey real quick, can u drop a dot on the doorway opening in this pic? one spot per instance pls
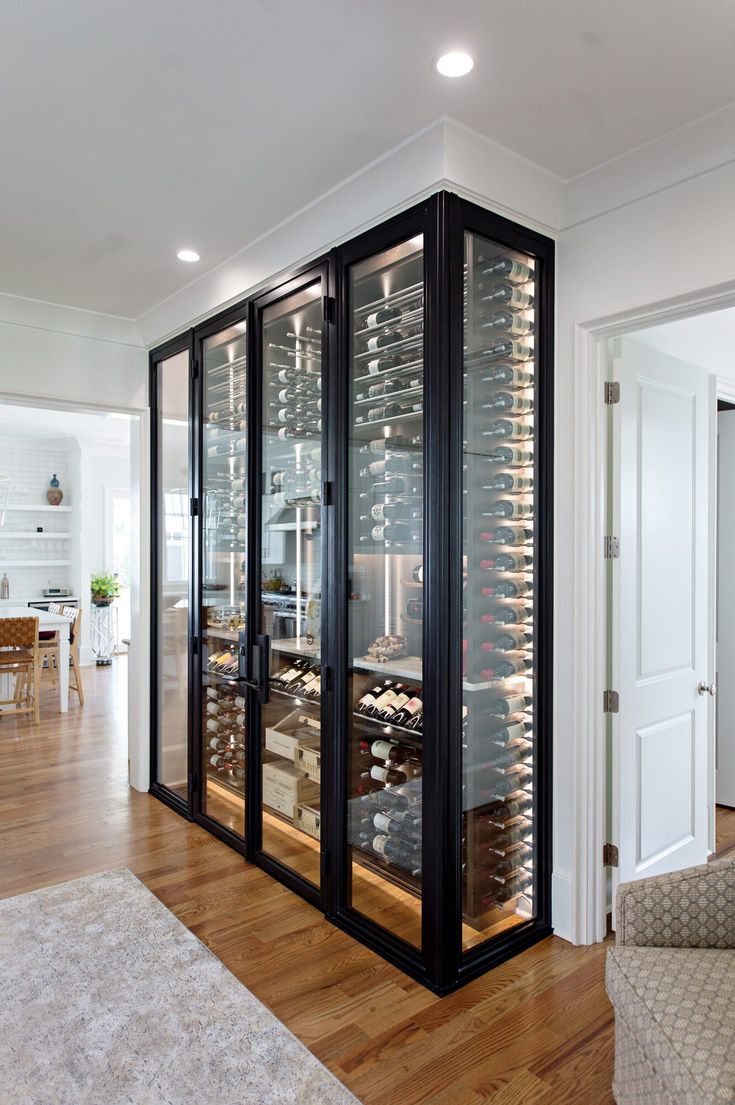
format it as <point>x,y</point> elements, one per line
<point>669,597</point>
<point>70,557</point>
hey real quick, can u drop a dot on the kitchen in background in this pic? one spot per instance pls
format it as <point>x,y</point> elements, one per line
<point>50,549</point>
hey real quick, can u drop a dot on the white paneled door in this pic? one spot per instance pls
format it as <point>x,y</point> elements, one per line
<point>661,613</point>
<point>725,760</point>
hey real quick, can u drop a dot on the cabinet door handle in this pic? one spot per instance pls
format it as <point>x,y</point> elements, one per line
<point>707,688</point>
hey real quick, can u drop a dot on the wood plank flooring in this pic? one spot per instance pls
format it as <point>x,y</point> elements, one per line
<point>536,1031</point>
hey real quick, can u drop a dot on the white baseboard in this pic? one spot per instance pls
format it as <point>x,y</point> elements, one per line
<point>562,905</point>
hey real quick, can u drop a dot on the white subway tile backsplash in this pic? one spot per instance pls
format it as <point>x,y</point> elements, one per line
<point>30,467</point>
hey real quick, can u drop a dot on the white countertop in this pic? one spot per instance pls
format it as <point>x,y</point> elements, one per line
<point>23,600</point>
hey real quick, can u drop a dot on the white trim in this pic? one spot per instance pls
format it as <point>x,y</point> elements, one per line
<point>588,908</point>
<point>725,389</point>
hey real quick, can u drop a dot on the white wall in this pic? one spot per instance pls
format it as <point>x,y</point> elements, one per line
<point>659,252</point>
<point>99,470</point>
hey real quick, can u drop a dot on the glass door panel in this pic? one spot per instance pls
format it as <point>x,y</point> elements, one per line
<point>224,527</point>
<point>291,557</point>
<point>386,603</point>
<point>173,574</point>
<point>498,585</point>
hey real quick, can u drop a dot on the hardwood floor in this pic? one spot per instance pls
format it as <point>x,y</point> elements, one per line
<point>536,1031</point>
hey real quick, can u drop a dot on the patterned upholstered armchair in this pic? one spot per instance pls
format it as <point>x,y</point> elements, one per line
<point>671,979</point>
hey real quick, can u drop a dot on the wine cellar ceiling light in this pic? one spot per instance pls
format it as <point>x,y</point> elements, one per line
<point>189,255</point>
<point>455,63</point>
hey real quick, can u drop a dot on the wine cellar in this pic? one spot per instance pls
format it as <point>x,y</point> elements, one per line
<point>352,624</point>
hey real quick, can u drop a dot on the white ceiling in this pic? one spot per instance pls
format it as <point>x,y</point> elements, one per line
<point>131,130</point>
<point>104,431</point>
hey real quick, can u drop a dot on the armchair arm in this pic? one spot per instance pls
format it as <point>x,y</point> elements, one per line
<point>687,909</point>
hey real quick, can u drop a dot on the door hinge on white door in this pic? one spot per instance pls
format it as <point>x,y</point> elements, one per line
<point>612,548</point>
<point>609,855</point>
<point>610,702</point>
<point>612,392</point>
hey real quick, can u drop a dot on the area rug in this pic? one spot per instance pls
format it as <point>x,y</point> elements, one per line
<point>105,997</point>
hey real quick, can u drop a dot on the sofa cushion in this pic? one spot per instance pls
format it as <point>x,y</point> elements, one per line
<point>679,1006</point>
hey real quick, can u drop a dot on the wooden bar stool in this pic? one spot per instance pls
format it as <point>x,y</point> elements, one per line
<point>20,657</point>
<point>50,648</point>
<point>74,614</point>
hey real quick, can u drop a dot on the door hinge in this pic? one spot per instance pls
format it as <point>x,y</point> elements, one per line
<point>329,308</point>
<point>609,855</point>
<point>327,493</point>
<point>194,507</point>
<point>612,548</point>
<point>612,392</point>
<point>194,368</point>
<point>610,702</point>
<point>194,645</point>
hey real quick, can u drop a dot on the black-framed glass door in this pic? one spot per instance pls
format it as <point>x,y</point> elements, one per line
<point>223,424</point>
<point>171,564</point>
<point>288,586</point>
<point>502,580</point>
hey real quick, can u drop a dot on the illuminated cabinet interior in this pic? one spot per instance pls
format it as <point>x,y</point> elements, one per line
<point>370,596</point>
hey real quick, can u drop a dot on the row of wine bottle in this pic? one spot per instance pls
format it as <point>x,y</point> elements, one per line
<point>302,679</point>
<point>392,703</point>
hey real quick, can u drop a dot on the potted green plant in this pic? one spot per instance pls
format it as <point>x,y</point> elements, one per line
<point>105,588</point>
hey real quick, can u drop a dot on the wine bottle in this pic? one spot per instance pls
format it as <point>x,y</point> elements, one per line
<point>387,693</point>
<point>517,375</point>
<point>501,812</point>
<point>509,615</point>
<point>381,445</point>
<point>511,589</point>
<point>508,294</point>
<point>392,775</point>
<point>511,481</point>
<point>226,447</point>
<point>369,699</point>
<point>512,401</point>
<point>507,705</point>
<point>509,508</point>
<point>408,710</point>
<point>511,639</point>
<point>396,512</point>
<point>510,322</point>
<point>513,456</point>
<point>500,840</point>
<point>383,341</point>
<point>505,668</point>
<point>508,347</point>
<point>391,751</point>
<point>506,734</point>
<point>515,272</point>
<point>384,363</point>
<point>385,706</point>
<point>383,315</point>
<point>399,485</point>
<point>507,535</point>
<point>508,427</point>
<point>400,854</point>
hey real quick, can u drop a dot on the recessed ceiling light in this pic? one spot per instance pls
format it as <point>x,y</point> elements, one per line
<point>455,63</point>
<point>189,255</point>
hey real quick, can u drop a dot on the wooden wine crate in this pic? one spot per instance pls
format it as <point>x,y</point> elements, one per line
<point>308,818</point>
<point>309,759</point>
<point>295,730</point>
<point>285,787</point>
